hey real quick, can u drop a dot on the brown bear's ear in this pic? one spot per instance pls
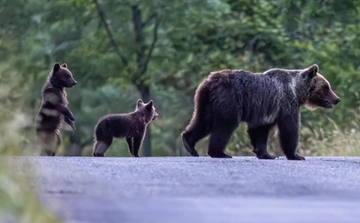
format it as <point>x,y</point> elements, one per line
<point>149,105</point>
<point>311,71</point>
<point>139,103</point>
<point>56,67</point>
<point>64,65</point>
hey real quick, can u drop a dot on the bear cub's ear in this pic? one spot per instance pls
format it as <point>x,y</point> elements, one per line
<point>149,105</point>
<point>139,103</point>
<point>56,67</point>
<point>311,71</point>
<point>64,65</point>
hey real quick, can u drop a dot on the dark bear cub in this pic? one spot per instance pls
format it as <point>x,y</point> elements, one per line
<point>131,126</point>
<point>274,98</point>
<point>54,109</point>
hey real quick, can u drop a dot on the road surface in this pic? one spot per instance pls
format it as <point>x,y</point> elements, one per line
<point>198,189</point>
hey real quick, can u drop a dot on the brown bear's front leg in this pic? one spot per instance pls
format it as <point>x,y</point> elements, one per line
<point>258,138</point>
<point>130,142</point>
<point>137,144</point>
<point>65,111</point>
<point>69,122</point>
<point>289,136</point>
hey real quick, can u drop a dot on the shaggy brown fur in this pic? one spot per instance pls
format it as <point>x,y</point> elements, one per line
<point>263,101</point>
<point>131,126</point>
<point>54,109</point>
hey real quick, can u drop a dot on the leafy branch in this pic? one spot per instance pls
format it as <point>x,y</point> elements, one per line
<point>144,67</point>
<point>109,33</point>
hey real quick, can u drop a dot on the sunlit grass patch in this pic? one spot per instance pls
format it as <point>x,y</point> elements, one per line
<point>18,200</point>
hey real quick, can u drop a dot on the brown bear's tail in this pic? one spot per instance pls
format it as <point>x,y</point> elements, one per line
<point>202,103</point>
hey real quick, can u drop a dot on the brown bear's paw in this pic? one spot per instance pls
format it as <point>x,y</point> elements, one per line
<point>188,148</point>
<point>47,153</point>
<point>265,156</point>
<point>295,157</point>
<point>98,155</point>
<point>218,155</point>
<point>72,125</point>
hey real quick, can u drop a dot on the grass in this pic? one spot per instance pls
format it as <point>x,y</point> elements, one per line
<point>331,142</point>
<point>18,201</point>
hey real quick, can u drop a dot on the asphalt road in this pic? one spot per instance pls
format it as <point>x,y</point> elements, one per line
<point>199,190</point>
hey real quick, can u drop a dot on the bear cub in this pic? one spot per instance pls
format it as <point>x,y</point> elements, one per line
<point>131,126</point>
<point>274,98</point>
<point>54,109</point>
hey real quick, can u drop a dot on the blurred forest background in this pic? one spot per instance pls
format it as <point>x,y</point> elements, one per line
<point>122,50</point>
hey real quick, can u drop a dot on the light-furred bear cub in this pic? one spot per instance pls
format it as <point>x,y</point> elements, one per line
<point>274,98</point>
<point>54,109</point>
<point>131,126</point>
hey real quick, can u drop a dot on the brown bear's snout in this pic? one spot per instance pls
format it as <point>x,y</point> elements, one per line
<point>73,83</point>
<point>336,101</point>
<point>156,115</point>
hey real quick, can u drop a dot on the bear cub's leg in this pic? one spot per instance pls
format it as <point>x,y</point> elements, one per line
<point>100,149</point>
<point>134,144</point>
<point>258,139</point>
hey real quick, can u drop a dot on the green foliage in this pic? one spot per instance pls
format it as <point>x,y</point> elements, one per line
<point>193,38</point>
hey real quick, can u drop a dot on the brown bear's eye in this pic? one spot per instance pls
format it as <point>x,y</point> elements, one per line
<point>326,89</point>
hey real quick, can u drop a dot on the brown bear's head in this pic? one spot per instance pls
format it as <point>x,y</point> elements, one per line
<point>61,76</point>
<point>319,93</point>
<point>148,109</point>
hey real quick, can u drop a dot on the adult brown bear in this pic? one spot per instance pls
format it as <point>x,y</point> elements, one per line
<point>228,97</point>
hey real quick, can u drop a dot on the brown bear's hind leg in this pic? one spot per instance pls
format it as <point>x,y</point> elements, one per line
<point>103,140</point>
<point>196,131</point>
<point>219,138</point>
<point>49,142</point>
<point>289,136</point>
<point>190,138</point>
<point>47,153</point>
<point>100,149</point>
<point>258,139</point>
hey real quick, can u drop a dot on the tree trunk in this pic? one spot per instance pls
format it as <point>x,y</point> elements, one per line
<point>146,146</point>
<point>74,149</point>
<point>140,60</point>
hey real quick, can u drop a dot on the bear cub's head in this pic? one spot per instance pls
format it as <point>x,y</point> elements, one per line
<point>148,109</point>
<point>61,76</point>
<point>319,92</point>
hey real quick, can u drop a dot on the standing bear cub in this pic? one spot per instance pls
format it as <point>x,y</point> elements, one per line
<point>54,109</point>
<point>274,98</point>
<point>131,126</point>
